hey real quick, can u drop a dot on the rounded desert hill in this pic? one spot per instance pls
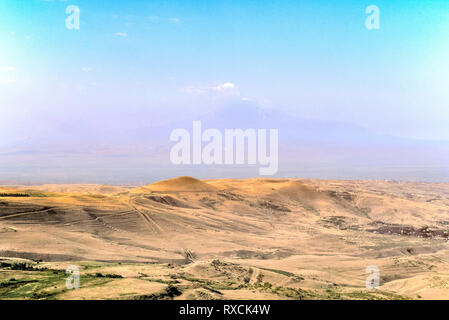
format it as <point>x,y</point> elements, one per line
<point>180,184</point>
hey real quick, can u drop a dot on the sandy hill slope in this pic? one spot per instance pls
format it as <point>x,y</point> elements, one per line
<point>83,188</point>
<point>180,184</point>
<point>324,232</point>
<point>70,188</point>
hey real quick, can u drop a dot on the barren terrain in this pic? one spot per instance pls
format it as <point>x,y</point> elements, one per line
<point>226,239</point>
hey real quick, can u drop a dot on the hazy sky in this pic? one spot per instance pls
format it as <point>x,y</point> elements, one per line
<point>313,58</point>
<point>135,63</point>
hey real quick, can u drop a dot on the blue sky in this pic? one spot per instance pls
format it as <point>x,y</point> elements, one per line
<point>146,62</point>
<point>313,58</point>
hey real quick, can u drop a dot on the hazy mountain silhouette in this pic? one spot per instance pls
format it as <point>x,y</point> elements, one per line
<point>135,142</point>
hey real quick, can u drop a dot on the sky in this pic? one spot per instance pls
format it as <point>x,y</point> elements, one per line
<point>134,64</point>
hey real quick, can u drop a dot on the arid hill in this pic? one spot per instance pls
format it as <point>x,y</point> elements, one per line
<point>186,184</point>
<point>253,238</point>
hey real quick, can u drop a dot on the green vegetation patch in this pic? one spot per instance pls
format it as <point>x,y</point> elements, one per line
<point>18,195</point>
<point>25,281</point>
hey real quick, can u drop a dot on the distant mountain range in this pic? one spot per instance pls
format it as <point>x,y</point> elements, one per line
<point>303,143</point>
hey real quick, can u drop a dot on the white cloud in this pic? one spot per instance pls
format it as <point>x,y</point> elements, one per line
<point>226,88</point>
<point>7,69</point>
<point>175,20</point>
<point>153,18</point>
<point>121,34</point>
<point>7,81</point>
<point>193,90</point>
<point>86,69</point>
